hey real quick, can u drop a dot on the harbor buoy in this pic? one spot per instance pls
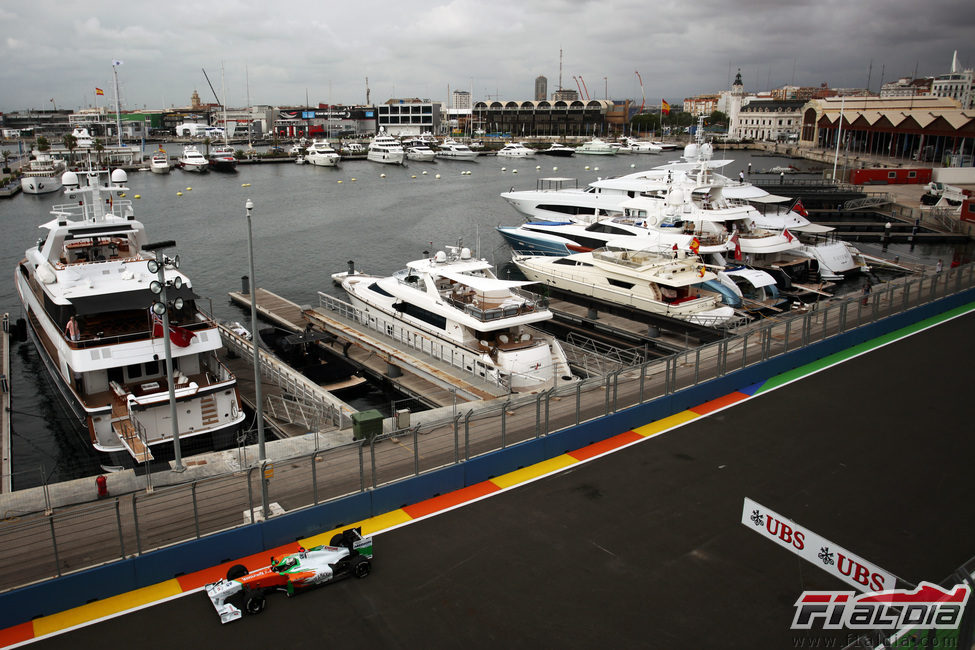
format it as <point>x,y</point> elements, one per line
<point>504,169</point>
<point>595,169</point>
<point>587,167</point>
<point>382,176</point>
<point>632,165</point>
<point>340,181</point>
<point>424,172</point>
<point>412,175</point>
<point>352,179</point>
<point>122,195</point>
<point>189,189</point>
<point>138,196</point>
<point>437,176</point>
<point>245,184</point>
<point>537,167</point>
<point>514,171</point>
<point>555,169</point>
<point>179,194</point>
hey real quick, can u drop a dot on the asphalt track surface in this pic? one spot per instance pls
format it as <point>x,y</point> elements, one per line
<point>643,547</point>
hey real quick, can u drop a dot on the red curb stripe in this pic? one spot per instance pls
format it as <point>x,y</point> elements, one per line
<point>603,446</point>
<point>719,403</point>
<point>16,634</point>
<point>451,499</point>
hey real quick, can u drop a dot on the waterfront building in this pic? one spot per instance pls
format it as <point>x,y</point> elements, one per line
<point>408,117</point>
<point>565,95</point>
<point>541,88</point>
<point>550,118</point>
<point>769,120</point>
<point>736,98</point>
<point>906,87</point>
<point>461,99</point>
<point>325,121</point>
<point>701,104</point>
<point>957,84</point>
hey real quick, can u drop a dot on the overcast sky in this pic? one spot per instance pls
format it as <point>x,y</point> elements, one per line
<point>408,48</point>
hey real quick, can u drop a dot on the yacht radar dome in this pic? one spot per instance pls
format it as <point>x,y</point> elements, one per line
<point>119,176</point>
<point>69,179</point>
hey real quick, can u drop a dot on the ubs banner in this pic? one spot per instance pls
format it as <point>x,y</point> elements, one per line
<point>835,560</point>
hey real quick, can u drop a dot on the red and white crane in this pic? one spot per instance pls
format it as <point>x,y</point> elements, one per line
<point>644,102</point>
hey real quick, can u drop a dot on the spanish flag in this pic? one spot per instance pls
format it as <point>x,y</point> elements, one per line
<point>664,107</point>
<point>99,91</point>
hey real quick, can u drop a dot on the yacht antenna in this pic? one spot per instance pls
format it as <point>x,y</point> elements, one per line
<point>223,90</point>
<point>118,106</point>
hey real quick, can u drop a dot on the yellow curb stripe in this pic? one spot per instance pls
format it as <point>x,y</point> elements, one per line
<point>369,526</point>
<point>533,471</point>
<point>666,423</point>
<point>108,606</point>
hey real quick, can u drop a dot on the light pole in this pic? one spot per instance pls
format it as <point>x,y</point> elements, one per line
<point>161,308</point>
<point>257,356</point>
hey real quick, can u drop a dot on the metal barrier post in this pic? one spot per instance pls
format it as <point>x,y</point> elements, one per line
<point>265,506</point>
<point>744,350</point>
<point>118,523</point>
<point>314,473</point>
<point>548,396</point>
<point>196,511</point>
<point>456,438</point>
<point>697,366</point>
<point>467,434</point>
<point>54,544</point>
<point>788,332</point>
<point>362,470</point>
<point>504,421</point>
<point>578,401</point>
<point>643,377</point>
<point>538,414</point>
<point>825,313</point>
<point>250,494</point>
<point>135,522</point>
<point>843,309</point>
<point>416,450</point>
<point>372,460</point>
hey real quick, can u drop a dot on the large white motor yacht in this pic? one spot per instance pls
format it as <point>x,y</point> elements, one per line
<point>192,160</point>
<point>321,153</point>
<point>86,289</point>
<point>42,174</point>
<point>466,316</point>
<point>661,283</point>
<point>159,163</point>
<point>453,150</point>
<point>516,150</point>
<point>386,149</point>
<point>597,147</point>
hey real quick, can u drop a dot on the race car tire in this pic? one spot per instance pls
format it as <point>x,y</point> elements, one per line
<point>255,604</point>
<point>336,540</point>
<point>361,567</point>
<point>236,571</point>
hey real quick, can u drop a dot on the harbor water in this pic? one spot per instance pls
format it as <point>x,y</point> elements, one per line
<point>307,223</point>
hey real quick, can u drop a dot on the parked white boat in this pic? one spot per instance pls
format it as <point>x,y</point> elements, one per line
<point>466,316</point>
<point>223,158</point>
<point>453,150</point>
<point>516,150</point>
<point>664,284</point>
<point>42,174</point>
<point>386,149</point>
<point>420,153</point>
<point>596,147</point>
<point>639,146</point>
<point>193,161</point>
<point>321,154</point>
<point>159,163</point>
<point>86,291</point>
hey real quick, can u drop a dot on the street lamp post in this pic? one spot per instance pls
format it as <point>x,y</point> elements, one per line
<point>257,357</point>
<point>161,308</point>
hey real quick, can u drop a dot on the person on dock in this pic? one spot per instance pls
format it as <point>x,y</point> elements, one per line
<point>72,330</point>
<point>741,176</point>
<point>866,293</point>
<point>938,267</point>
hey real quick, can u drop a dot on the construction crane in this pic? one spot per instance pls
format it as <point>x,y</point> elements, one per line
<point>584,86</point>
<point>644,102</point>
<point>575,79</point>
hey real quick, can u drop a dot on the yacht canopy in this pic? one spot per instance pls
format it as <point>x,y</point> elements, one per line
<point>812,228</point>
<point>481,283</point>
<point>755,277</point>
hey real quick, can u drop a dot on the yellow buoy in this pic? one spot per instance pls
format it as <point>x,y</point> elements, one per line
<point>179,194</point>
<point>555,169</point>
<point>352,179</point>
<point>122,195</point>
<point>514,171</point>
<point>437,176</point>
<point>340,181</point>
<point>595,169</point>
<point>587,167</point>
<point>382,176</point>
<point>189,189</point>
<point>138,196</point>
<point>537,167</point>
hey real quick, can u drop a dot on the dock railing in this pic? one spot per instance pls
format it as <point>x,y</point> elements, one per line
<point>74,537</point>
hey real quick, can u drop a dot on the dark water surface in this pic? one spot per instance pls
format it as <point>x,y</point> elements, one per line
<point>306,225</point>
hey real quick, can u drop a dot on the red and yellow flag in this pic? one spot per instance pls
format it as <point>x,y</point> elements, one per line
<point>664,107</point>
<point>99,91</point>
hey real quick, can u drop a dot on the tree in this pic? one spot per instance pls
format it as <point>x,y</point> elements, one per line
<point>6,157</point>
<point>645,123</point>
<point>70,143</point>
<point>99,148</point>
<point>42,143</point>
<point>718,118</point>
<point>206,141</point>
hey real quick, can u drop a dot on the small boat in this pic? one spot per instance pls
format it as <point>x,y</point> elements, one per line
<point>223,159</point>
<point>557,149</point>
<point>353,150</point>
<point>420,153</point>
<point>639,146</point>
<point>596,147</point>
<point>453,150</point>
<point>159,163</point>
<point>386,149</point>
<point>193,161</point>
<point>515,150</point>
<point>321,154</point>
<point>42,174</point>
<point>306,352</point>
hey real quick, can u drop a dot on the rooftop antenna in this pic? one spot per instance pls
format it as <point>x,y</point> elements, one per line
<point>869,74</point>
<point>560,68</point>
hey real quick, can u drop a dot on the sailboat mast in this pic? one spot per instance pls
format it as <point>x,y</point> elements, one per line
<point>118,106</point>
<point>223,91</point>
<point>247,85</point>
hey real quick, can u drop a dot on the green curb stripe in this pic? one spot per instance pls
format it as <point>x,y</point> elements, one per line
<point>866,346</point>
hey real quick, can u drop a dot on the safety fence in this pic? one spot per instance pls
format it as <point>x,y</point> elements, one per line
<point>72,538</point>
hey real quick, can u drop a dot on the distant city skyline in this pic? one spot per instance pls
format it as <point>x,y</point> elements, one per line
<point>55,57</point>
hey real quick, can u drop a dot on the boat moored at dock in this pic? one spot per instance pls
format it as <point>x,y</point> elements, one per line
<point>193,161</point>
<point>42,174</point>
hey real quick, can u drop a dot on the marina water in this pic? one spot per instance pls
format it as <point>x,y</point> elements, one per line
<point>307,223</point>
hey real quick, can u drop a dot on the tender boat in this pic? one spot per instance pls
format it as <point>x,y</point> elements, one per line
<point>353,150</point>
<point>223,159</point>
<point>321,154</point>
<point>516,150</point>
<point>453,150</point>
<point>557,149</point>
<point>660,283</point>
<point>469,317</point>
<point>42,174</point>
<point>193,161</point>
<point>86,289</point>
<point>596,147</point>
<point>639,146</point>
<point>386,149</point>
<point>159,163</point>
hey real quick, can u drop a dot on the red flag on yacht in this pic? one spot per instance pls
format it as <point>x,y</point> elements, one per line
<point>179,336</point>
<point>99,91</point>
<point>695,245</point>
<point>798,209</point>
<point>788,235</point>
<point>737,243</point>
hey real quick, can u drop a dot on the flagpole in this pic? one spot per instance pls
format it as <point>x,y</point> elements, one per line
<point>118,108</point>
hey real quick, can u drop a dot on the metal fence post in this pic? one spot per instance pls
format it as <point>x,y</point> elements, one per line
<point>548,396</point>
<point>372,460</point>
<point>504,421</point>
<point>616,390</point>
<point>788,332</point>
<point>265,506</point>
<point>843,309</point>
<point>643,377</point>
<point>362,470</point>
<point>538,413</point>
<point>416,450</point>
<point>196,511</point>
<point>456,438</point>
<point>314,474</point>
<point>744,350</point>
<point>250,495</point>
<point>135,522</point>
<point>467,434</point>
<point>578,401</point>
<point>118,522</point>
<point>54,545</point>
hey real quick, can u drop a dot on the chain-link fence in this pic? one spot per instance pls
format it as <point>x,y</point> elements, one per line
<point>77,537</point>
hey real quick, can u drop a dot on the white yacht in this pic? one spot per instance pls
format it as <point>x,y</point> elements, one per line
<point>639,146</point>
<point>159,163</point>
<point>466,316</point>
<point>193,161</point>
<point>453,150</point>
<point>321,154</point>
<point>661,283</point>
<point>420,153</point>
<point>86,289</point>
<point>596,147</point>
<point>385,148</point>
<point>516,150</point>
<point>223,158</point>
<point>42,174</point>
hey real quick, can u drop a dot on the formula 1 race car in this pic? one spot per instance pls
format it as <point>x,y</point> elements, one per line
<point>348,554</point>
